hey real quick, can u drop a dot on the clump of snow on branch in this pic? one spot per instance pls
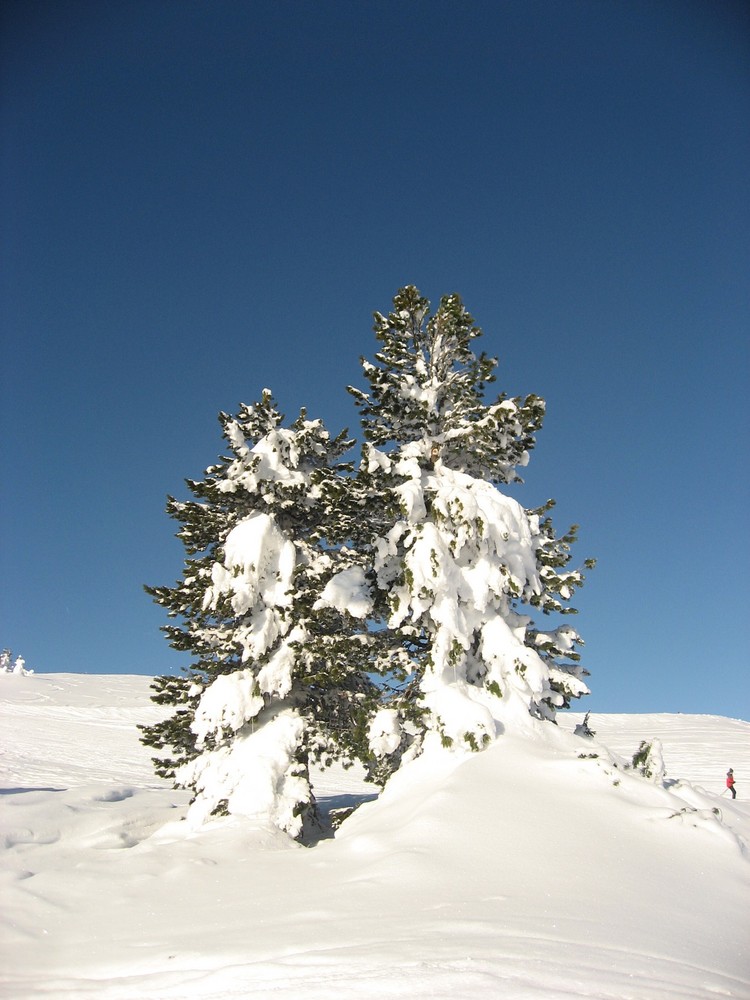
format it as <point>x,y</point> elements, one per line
<point>275,458</point>
<point>254,777</point>
<point>347,591</point>
<point>275,676</point>
<point>384,733</point>
<point>255,576</point>
<point>226,705</point>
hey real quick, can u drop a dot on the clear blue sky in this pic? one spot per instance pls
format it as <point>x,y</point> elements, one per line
<point>203,199</point>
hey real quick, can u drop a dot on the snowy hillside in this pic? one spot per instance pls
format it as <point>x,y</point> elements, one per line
<point>536,870</point>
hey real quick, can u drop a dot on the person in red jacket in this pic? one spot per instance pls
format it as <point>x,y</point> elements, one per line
<point>730,782</point>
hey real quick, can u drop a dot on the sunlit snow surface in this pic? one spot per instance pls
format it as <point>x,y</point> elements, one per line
<point>532,871</point>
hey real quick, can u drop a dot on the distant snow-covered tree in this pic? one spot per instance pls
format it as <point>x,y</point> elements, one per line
<point>456,569</point>
<point>271,684</point>
<point>10,666</point>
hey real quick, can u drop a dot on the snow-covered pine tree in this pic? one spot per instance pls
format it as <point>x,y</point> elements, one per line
<point>10,666</point>
<point>272,683</point>
<point>454,567</point>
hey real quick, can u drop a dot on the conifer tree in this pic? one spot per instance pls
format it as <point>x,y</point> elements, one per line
<point>455,568</point>
<point>271,684</point>
<point>334,613</point>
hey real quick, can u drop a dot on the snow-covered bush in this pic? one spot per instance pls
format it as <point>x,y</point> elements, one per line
<point>584,729</point>
<point>648,760</point>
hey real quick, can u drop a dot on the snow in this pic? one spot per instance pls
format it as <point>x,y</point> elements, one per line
<point>536,870</point>
<point>258,560</point>
<point>226,705</point>
<point>274,458</point>
<point>384,733</point>
<point>347,591</point>
<point>254,775</point>
<point>256,574</point>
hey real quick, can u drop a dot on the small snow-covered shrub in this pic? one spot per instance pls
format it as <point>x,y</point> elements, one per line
<point>648,760</point>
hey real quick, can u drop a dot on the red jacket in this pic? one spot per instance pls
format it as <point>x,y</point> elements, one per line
<point>730,780</point>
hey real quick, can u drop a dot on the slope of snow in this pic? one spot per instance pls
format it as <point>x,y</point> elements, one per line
<point>533,871</point>
<point>697,748</point>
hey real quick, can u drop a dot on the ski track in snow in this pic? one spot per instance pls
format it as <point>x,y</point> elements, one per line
<point>529,872</point>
